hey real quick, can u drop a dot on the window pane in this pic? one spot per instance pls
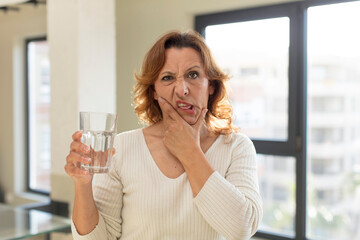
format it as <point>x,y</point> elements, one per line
<point>333,122</point>
<point>38,114</point>
<point>256,54</point>
<point>277,188</point>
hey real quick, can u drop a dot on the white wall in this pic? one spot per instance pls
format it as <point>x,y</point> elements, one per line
<point>83,75</point>
<point>15,27</point>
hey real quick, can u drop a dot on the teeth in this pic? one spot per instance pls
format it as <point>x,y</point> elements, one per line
<point>184,106</point>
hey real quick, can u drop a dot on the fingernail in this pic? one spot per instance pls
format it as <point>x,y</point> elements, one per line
<point>85,148</point>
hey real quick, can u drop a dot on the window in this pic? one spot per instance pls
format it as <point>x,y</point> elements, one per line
<point>295,90</point>
<point>277,188</point>
<point>38,115</point>
<point>323,104</point>
<point>326,166</point>
<point>334,45</point>
<point>326,135</point>
<point>258,63</point>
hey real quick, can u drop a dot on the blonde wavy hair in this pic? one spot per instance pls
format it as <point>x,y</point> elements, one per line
<point>219,118</point>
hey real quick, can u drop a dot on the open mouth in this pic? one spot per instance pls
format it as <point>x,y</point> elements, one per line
<point>184,106</point>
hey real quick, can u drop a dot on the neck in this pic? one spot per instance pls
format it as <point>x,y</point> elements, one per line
<point>204,132</point>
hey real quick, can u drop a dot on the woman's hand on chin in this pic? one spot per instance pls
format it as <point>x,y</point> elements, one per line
<point>180,138</point>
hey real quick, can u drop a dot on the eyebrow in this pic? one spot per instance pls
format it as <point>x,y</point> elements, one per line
<point>171,73</point>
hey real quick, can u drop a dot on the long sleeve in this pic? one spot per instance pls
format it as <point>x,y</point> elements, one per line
<point>107,189</point>
<point>231,204</point>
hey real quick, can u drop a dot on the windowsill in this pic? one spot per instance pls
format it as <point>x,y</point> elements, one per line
<point>45,204</point>
<point>27,198</point>
<point>35,197</point>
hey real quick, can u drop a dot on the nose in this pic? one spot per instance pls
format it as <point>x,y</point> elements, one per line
<point>181,87</point>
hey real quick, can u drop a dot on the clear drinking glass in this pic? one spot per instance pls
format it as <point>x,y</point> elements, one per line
<point>98,132</point>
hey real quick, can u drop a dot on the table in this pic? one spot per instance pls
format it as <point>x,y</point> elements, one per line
<point>17,223</point>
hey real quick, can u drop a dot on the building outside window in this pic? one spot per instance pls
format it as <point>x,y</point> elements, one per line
<point>38,115</point>
<point>333,45</point>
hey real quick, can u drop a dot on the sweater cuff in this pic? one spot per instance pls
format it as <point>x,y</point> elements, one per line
<point>97,233</point>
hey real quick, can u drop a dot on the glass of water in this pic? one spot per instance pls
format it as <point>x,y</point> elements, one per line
<point>98,132</point>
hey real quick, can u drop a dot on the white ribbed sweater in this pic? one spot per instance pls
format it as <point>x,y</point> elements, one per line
<point>137,201</point>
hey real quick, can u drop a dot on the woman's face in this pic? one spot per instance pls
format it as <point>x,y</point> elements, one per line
<point>183,83</point>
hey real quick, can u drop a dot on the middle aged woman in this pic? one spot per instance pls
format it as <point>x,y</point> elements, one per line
<point>188,175</point>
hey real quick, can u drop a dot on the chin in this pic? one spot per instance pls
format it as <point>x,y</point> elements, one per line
<point>190,120</point>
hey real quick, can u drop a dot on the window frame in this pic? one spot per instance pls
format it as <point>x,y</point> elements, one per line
<point>295,146</point>
<point>283,148</point>
<point>27,116</point>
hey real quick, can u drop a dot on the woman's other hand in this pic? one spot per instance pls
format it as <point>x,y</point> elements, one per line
<point>77,155</point>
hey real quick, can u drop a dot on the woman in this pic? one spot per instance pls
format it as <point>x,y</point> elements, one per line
<point>187,175</point>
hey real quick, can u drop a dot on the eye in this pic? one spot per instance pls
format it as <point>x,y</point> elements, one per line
<point>193,75</point>
<point>167,78</point>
